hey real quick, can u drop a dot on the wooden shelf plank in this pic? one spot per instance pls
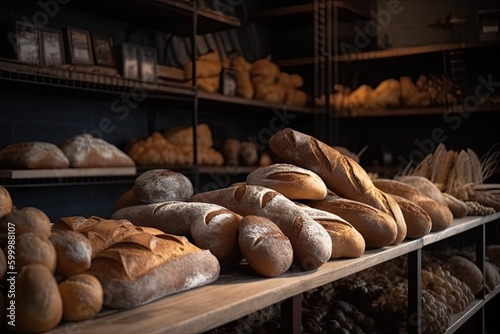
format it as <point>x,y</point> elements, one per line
<point>66,172</point>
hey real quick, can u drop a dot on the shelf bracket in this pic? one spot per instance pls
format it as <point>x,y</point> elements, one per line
<point>415,291</point>
<point>291,315</point>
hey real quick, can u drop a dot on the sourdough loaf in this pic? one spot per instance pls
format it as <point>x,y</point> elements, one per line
<point>85,151</point>
<point>73,252</point>
<point>161,185</point>
<point>143,267</point>
<point>33,155</point>
<point>342,175</point>
<point>267,250</point>
<point>377,228</point>
<point>293,182</point>
<point>312,246</point>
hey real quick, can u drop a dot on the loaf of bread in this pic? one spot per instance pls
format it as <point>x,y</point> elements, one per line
<point>73,252</point>
<point>143,267</point>
<point>39,306</point>
<point>244,86</point>
<point>312,245</point>
<point>84,151</point>
<point>82,297</point>
<point>183,136</point>
<point>33,249</point>
<point>128,198</point>
<point>6,204</point>
<point>207,65</point>
<point>377,228</point>
<point>342,175</point>
<point>292,181</point>
<point>157,150</point>
<point>440,214</point>
<point>457,207</point>
<point>28,219</point>
<point>347,242</point>
<point>161,185</point>
<point>424,185</point>
<point>32,155</point>
<point>266,249</point>
<point>418,221</point>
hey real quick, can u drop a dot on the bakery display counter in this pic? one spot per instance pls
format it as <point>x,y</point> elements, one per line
<point>241,292</point>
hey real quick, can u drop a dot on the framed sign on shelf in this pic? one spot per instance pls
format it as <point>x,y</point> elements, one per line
<point>103,50</point>
<point>27,43</point>
<point>51,46</point>
<point>130,61</point>
<point>148,61</point>
<point>80,46</point>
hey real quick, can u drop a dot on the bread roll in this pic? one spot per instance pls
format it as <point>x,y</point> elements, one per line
<point>377,228</point>
<point>33,155</point>
<point>347,242</point>
<point>128,198</point>
<point>28,219</point>
<point>161,185</point>
<point>31,249</point>
<point>217,231</point>
<point>312,246</point>
<point>230,151</point>
<point>143,268</point>
<point>418,221</point>
<point>248,154</point>
<point>440,214</point>
<point>342,175</point>
<point>82,297</point>
<point>267,250</point>
<point>6,204</point>
<point>172,217</point>
<point>85,151</point>
<point>290,180</point>
<point>39,305</point>
<point>73,252</point>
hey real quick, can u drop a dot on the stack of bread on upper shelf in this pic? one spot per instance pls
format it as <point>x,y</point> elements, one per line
<point>393,93</point>
<point>261,80</point>
<point>79,151</point>
<point>71,269</point>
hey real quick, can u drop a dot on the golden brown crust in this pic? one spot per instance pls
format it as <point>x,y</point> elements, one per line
<point>82,297</point>
<point>31,249</point>
<point>6,204</point>
<point>457,207</point>
<point>28,219</point>
<point>418,221</point>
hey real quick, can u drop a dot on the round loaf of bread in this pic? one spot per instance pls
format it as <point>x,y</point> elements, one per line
<point>466,271</point>
<point>82,297</point>
<point>267,250</point>
<point>293,182</point>
<point>32,155</point>
<point>73,252</point>
<point>39,306</point>
<point>162,185</point>
<point>28,219</point>
<point>31,249</point>
<point>6,204</point>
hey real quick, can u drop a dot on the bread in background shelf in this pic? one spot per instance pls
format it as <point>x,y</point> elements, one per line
<point>33,155</point>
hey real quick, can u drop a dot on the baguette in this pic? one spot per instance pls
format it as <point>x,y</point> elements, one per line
<point>267,250</point>
<point>312,246</point>
<point>457,207</point>
<point>418,221</point>
<point>440,214</point>
<point>377,228</point>
<point>341,174</point>
<point>292,181</point>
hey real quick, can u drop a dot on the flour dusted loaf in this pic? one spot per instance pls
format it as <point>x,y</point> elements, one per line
<point>312,246</point>
<point>161,185</point>
<point>85,151</point>
<point>267,250</point>
<point>73,252</point>
<point>32,155</point>
<point>342,175</point>
<point>82,297</point>
<point>293,182</point>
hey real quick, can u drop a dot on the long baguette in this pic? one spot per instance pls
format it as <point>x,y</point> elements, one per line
<point>312,246</point>
<point>341,174</point>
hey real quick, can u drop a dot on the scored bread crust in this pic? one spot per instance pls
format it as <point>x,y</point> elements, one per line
<point>341,174</point>
<point>292,181</point>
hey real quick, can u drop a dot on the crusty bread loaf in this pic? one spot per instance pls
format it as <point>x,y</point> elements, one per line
<point>292,181</point>
<point>84,151</point>
<point>161,185</point>
<point>312,246</point>
<point>39,306</point>
<point>6,204</point>
<point>28,219</point>
<point>342,175</point>
<point>128,198</point>
<point>347,242</point>
<point>267,250</point>
<point>183,136</point>
<point>82,297</point>
<point>173,217</point>
<point>377,228</point>
<point>32,155</point>
<point>143,268</point>
<point>31,248</point>
<point>457,207</point>
<point>418,221</point>
<point>440,214</point>
<point>73,252</point>
<point>424,185</point>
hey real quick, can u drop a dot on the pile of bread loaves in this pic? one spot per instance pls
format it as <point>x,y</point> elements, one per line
<point>261,80</point>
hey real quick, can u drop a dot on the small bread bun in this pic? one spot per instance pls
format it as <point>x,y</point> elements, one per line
<point>161,185</point>
<point>82,297</point>
<point>24,220</point>
<point>39,306</point>
<point>6,204</point>
<point>31,249</point>
<point>267,250</point>
<point>294,182</point>
<point>73,252</point>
